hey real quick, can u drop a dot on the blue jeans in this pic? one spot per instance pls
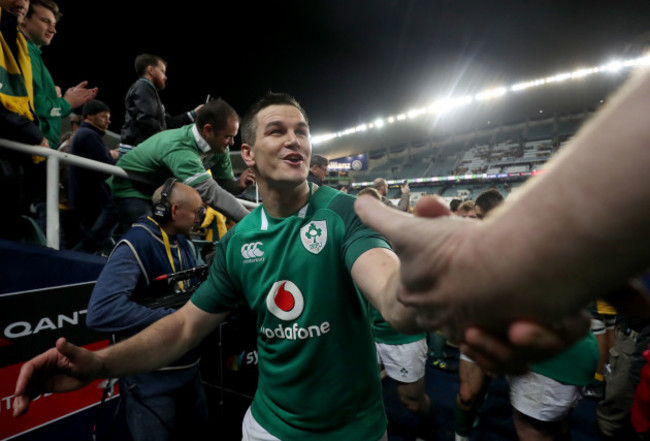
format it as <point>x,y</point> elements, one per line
<point>181,414</point>
<point>130,210</point>
<point>99,235</point>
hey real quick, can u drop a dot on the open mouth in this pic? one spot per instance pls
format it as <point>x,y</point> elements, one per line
<point>294,158</point>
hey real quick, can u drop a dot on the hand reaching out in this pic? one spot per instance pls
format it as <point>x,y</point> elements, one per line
<point>63,368</point>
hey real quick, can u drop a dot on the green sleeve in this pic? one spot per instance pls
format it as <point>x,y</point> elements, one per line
<point>221,166</point>
<point>45,102</point>
<point>219,293</point>
<point>186,167</point>
<point>358,237</point>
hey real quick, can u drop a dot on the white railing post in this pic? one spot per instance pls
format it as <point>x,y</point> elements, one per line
<point>52,202</point>
<point>54,158</point>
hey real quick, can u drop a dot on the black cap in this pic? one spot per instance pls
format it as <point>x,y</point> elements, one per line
<point>93,107</point>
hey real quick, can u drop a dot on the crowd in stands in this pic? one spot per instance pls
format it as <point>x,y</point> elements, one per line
<point>184,167</point>
<point>93,208</point>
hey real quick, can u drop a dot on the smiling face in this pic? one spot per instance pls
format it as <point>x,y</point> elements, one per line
<point>280,155</point>
<point>220,139</point>
<point>15,7</point>
<point>40,26</point>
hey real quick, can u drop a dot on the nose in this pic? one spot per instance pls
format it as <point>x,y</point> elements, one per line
<point>292,139</point>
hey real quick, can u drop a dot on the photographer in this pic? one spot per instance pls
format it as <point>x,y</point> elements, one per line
<point>166,403</point>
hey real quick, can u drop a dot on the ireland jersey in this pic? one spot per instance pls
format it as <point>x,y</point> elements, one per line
<point>318,376</point>
<point>384,333</point>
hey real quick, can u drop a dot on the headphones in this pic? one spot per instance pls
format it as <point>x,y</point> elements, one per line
<point>162,211</point>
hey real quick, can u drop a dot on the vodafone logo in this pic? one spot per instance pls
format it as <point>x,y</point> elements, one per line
<point>252,251</point>
<point>285,301</point>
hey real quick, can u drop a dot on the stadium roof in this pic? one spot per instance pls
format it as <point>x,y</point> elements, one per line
<point>350,61</point>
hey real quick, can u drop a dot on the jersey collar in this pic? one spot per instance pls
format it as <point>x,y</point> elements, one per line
<point>200,142</point>
<point>264,221</point>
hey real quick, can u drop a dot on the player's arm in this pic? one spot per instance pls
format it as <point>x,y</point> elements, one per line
<point>376,273</point>
<point>68,367</point>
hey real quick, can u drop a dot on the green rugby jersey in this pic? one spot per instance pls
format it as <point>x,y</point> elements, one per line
<point>176,152</point>
<point>385,334</point>
<point>318,376</point>
<point>576,365</point>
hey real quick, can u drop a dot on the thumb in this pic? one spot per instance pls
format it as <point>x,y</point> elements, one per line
<point>82,84</point>
<point>67,349</point>
<point>378,216</point>
<point>431,206</point>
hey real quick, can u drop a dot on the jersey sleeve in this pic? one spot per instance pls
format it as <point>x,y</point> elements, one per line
<point>221,166</point>
<point>186,168</point>
<point>219,293</point>
<point>358,237</point>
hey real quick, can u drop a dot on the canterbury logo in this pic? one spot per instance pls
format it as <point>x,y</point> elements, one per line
<point>252,250</point>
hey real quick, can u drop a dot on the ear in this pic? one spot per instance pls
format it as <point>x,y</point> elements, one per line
<point>248,155</point>
<point>206,130</point>
<point>174,210</point>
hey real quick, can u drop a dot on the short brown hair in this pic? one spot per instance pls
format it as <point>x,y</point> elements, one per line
<point>143,61</point>
<point>47,4</point>
<point>249,123</point>
<point>370,191</point>
<point>216,112</point>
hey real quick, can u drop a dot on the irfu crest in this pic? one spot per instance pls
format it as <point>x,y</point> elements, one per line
<point>314,236</point>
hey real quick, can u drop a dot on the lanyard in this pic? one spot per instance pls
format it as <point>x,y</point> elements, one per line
<point>169,250</point>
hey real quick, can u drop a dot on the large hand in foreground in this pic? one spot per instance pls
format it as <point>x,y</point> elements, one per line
<point>427,249</point>
<point>451,272</point>
<point>61,369</point>
<point>445,275</point>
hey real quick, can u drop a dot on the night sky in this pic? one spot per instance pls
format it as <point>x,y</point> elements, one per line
<point>346,61</point>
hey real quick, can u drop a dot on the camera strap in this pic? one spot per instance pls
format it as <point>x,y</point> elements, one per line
<point>169,251</point>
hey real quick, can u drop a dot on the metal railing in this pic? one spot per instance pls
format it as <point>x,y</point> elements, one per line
<point>54,159</point>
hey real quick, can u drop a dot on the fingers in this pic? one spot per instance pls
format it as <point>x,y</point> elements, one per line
<point>556,338</point>
<point>28,381</point>
<point>21,394</point>
<point>525,343</point>
<point>493,353</point>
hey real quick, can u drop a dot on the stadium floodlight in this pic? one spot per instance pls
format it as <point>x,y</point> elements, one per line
<point>491,94</point>
<point>558,78</point>
<point>414,113</point>
<point>315,140</point>
<point>447,104</point>
<point>581,73</point>
<point>613,66</point>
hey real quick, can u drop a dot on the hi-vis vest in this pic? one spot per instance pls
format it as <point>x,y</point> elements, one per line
<point>16,87</point>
